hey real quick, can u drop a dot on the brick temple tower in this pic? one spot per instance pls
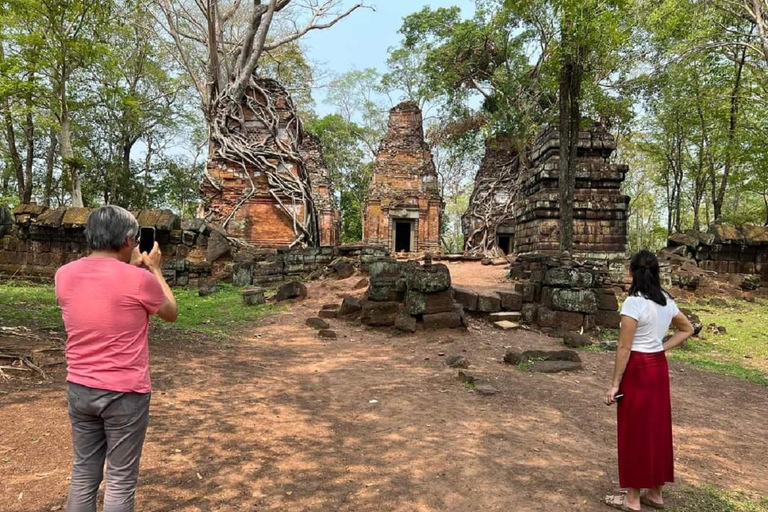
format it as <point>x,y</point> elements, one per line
<point>404,206</point>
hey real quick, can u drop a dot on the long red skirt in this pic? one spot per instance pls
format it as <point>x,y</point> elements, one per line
<point>645,423</point>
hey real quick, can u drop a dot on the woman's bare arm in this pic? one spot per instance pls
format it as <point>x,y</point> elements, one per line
<point>684,331</point>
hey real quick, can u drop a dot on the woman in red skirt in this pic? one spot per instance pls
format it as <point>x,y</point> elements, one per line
<point>641,387</point>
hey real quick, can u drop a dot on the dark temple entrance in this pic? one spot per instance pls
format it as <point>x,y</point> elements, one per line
<point>504,242</point>
<point>403,235</point>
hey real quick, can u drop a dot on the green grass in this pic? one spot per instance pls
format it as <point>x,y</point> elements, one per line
<point>34,305</point>
<point>712,499</point>
<point>30,305</point>
<point>746,335</point>
<point>220,313</point>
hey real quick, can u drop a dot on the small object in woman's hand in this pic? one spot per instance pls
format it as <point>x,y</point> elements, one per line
<point>618,396</point>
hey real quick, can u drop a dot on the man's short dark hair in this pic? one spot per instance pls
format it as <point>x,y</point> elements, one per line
<point>108,228</point>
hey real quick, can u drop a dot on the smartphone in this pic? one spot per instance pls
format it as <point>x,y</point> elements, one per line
<point>618,396</point>
<point>146,240</point>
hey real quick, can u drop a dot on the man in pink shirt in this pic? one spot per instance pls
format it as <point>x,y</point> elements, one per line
<point>106,300</point>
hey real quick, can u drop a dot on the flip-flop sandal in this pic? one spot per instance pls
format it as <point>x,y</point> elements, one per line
<point>610,500</point>
<point>645,500</point>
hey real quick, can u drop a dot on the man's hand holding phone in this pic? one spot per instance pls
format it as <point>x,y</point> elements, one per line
<point>153,259</point>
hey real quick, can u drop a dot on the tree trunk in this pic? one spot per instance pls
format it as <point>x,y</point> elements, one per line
<point>29,135</point>
<point>570,120</point>
<point>50,162</point>
<point>65,139</point>
<point>13,151</point>
<point>718,193</point>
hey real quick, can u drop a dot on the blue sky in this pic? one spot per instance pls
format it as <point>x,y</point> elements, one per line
<point>362,40</point>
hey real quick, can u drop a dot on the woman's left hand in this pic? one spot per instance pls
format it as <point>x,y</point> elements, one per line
<point>610,394</point>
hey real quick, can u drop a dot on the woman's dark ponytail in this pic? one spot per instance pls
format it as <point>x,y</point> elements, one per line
<point>645,278</point>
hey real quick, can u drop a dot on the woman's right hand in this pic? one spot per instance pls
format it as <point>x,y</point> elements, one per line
<point>610,394</point>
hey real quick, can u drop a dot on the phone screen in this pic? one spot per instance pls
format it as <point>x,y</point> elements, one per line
<point>147,241</point>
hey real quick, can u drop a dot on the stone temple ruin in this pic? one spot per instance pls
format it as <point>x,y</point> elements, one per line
<point>404,206</point>
<point>258,182</point>
<point>328,217</point>
<point>515,207</point>
<point>489,222</point>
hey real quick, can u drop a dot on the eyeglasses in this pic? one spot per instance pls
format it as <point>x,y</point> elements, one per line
<point>137,239</point>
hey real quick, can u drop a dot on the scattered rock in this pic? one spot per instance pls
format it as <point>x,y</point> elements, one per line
<point>575,340</point>
<point>467,376</point>
<point>291,290</point>
<point>253,296</point>
<point>611,345</point>
<point>328,313</point>
<point>694,319</point>
<point>327,333</point>
<point>343,268</point>
<point>718,302</point>
<point>207,289</point>
<point>317,323</point>
<point>315,275</point>
<point>350,306</point>
<point>555,366</point>
<point>529,313</point>
<point>457,361</point>
<point>484,387</point>
<point>405,322</point>
<point>721,329</point>
<point>329,306</point>
<point>506,325</point>
<point>363,283</point>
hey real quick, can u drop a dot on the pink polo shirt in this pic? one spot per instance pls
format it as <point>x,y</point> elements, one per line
<point>106,305</point>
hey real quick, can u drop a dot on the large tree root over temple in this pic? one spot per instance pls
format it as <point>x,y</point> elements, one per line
<point>258,140</point>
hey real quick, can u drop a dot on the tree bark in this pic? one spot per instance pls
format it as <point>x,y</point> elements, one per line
<point>718,193</point>
<point>65,140</point>
<point>570,119</point>
<point>29,135</point>
<point>50,162</point>
<point>13,151</point>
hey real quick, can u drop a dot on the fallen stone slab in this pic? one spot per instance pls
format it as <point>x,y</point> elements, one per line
<point>484,387</point>
<point>555,366</point>
<point>515,358</point>
<point>207,290</point>
<point>350,306</point>
<point>488,302</point>
<point>253,296</point>
<point>511,301</point>
<point>506,325</point>
<point>467,298</point>
<point>317,323</point>
<point>428,279</point>
<point>447,320</point>
<point>291,290</point>
<point>363,283</point>
<point>418,303</point>
<point>330,306</point>
<point>511,316</point>
<point>328,313</point>
<point>327,333</point>
<point>457,361</point>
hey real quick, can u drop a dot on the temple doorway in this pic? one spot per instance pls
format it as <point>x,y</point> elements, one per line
<point>504,242</point>
<point>403,233</point>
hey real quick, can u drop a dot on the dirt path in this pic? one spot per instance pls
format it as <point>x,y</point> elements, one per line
<point>374,421</point>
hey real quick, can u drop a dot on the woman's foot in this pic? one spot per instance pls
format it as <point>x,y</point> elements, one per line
<point>623,502</point>
<point>653,498</point>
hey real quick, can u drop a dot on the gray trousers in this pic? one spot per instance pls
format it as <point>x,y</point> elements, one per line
<point>105,425</point>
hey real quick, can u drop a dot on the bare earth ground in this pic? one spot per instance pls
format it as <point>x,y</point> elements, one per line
<point>282,420</point>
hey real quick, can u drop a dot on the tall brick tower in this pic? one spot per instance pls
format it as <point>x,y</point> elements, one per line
<point>404,205</point>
